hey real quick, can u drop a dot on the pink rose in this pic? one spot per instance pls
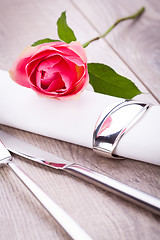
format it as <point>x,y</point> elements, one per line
<point>55,69</point>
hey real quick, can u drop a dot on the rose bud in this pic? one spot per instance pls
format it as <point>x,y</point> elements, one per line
<point>56,69</point>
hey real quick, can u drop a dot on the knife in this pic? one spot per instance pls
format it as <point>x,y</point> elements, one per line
<point>29,151</point>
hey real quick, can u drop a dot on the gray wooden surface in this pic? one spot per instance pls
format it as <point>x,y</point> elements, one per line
<point>133,50</point>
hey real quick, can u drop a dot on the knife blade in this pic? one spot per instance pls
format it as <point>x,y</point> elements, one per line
<point>28,151</point>
<point>36,154</point>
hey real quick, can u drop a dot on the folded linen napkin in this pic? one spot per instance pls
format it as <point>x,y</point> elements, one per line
<point>74,120</point>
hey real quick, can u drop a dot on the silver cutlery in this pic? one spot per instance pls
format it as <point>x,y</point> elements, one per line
<point>26,150</point>
<point>69,225</point>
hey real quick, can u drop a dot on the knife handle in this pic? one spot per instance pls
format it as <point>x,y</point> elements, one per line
<point>131,194</point>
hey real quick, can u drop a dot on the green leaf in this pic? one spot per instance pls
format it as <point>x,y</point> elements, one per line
<point>45,40</point>
<point>65,33</point>
<point>106,81</point>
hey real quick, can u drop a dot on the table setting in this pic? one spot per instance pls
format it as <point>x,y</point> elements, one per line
<point>79,120</point>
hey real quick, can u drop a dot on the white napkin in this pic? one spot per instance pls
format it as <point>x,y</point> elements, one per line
<point>74,120</point>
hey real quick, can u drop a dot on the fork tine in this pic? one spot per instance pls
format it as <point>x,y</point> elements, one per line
<point>5,155</point>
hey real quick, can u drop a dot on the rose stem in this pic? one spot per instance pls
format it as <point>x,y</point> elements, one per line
<point>134,16</point>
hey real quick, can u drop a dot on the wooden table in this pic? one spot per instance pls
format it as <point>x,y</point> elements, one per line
<point>133,50</point>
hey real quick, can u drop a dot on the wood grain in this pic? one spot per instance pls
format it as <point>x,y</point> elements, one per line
<point>101,214</point>
<point>136,42</point>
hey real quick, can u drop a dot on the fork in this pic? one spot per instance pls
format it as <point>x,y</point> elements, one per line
<point>68,224</point>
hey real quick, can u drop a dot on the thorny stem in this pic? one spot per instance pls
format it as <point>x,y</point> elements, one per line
<point>134,16</point>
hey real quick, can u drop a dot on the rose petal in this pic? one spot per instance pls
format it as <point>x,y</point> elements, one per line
<point>70,55</point>
<point>51,51</point>
<point>56,84</point>
<point>50,62</point>
<point>66,69</point>
<point>47,71</point>
<point>17,71</point>
<point>77,47</point>
<point>79,71</point>
<point>74,50</point>
<point>81,84</point>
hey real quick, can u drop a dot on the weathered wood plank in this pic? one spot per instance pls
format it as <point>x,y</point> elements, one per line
<point>137,43</point>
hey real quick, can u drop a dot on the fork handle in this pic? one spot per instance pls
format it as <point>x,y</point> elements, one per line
<point>69,225</point>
